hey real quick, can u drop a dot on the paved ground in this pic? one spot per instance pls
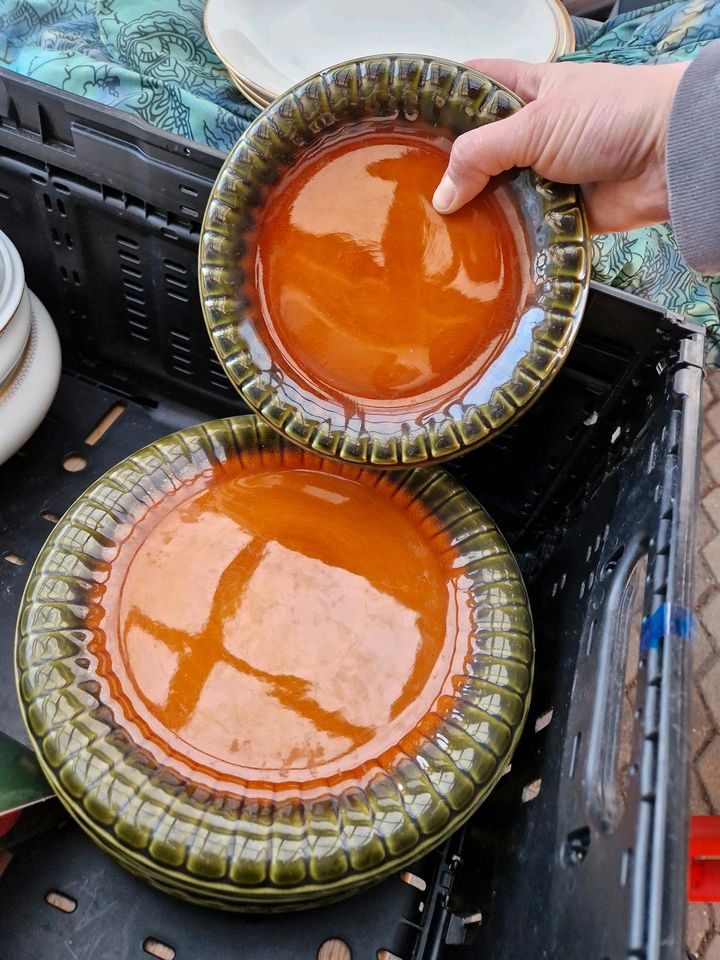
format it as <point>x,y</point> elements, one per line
<point>704,919</point>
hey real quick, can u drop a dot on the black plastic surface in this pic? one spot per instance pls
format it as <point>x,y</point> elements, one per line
<point>564,860</point>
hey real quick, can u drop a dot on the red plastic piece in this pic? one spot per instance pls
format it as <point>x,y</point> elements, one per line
<point>704,860</point>
<point>8,821</point>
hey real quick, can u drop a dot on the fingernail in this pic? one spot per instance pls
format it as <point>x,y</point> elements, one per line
<point>444,196</point>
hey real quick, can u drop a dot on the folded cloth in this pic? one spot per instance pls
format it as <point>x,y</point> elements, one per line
<point>148,57</point>
<point>151,58</point>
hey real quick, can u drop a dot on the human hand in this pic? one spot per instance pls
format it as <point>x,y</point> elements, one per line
<point>600,125</point>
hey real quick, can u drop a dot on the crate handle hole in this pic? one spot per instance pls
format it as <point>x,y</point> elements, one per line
<point>413,880</point>
<point>334,949</point>
<point>543,720</point>
<point>577,845</point>
<point>531,790</point>
<point>74,463</point>
<point>104,423</point>
<point>61,901</point>
<point>156,948</point>
<point>14,558</point>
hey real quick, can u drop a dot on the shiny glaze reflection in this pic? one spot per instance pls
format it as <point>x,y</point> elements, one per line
<point>368,292</point>
<point>291,621</point>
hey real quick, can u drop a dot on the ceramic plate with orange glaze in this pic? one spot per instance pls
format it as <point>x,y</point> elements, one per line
<point>263,679</point>
<point>345,310</point>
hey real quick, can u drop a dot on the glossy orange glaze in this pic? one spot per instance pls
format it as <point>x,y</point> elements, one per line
<point>282,624</point>
<point>364,288</point>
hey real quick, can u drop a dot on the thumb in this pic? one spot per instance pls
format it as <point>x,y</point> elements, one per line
<point>483,153</point>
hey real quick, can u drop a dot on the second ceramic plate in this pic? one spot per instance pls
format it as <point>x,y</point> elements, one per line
<point>349,313</point>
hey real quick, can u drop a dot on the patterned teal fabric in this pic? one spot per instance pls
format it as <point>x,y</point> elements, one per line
<point>648,262</point>
<point>151,58</point>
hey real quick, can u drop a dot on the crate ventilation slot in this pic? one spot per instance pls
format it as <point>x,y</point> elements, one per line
<point>14,558</point>
<point>217,374</point>
<point>574,755</point>
<point>175,266</point>
<point>61,901</point>
<point>181,352</point>
<point>625,866</point>
<point>531,790</point>
<point>543,720</point>
<point>74,463</point>
<point>176,288</point>
<point>156,948</point>
<point>104,423</point>
<point>334,949</point>
<point>413,880</point>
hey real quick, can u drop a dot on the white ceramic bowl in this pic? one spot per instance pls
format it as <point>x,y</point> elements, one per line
<point>15,311</point>
<point>27,395</point>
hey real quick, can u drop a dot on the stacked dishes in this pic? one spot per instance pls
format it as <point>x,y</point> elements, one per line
<point>29,355</point>
<point>264,680</point>
<point>259,671</point>
<point>270,48</point>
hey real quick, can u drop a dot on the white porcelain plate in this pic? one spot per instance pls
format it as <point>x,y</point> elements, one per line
<point>250,93</point>
<point>274,46</point>
<point>25,399</point>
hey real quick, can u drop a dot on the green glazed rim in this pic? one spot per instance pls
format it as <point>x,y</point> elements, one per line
<point>454,99</point>
<point>197,837</point>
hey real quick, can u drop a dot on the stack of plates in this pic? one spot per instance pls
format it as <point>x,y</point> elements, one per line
<point>179,687</point>
<point>29,355</point>
<point>269,48</point>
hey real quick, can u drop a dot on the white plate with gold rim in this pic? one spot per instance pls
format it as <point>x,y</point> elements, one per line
<point>272,47</point>
<point>249,92</point>
<point>26,397</point>
<point>14,309</point>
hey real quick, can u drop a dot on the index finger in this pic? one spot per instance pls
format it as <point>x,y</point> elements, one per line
<point>523,78</point>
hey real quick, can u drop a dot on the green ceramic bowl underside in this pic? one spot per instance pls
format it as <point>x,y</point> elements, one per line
<point>188,838</point>
<point>454,99</point>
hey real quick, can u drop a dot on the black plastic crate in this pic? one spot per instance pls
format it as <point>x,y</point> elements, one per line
<point>580,852</point>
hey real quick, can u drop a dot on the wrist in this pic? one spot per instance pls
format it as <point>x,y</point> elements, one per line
<point>658,194</point>
<point>692,156</point>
